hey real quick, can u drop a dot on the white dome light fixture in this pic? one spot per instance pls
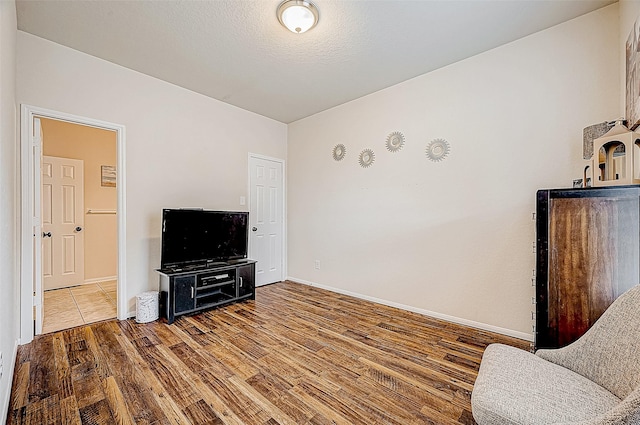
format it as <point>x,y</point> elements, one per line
<point>298,15</point>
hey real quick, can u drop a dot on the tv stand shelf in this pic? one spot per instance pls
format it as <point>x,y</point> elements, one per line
<point>213,286</point>
<point>191,290</point>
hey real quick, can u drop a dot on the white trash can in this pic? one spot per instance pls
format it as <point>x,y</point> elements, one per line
<point>147,306</point>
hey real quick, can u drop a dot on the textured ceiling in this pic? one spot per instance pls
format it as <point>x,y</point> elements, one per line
<point>237,52</point>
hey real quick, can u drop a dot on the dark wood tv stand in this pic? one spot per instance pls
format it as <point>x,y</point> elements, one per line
<point>187,290</point>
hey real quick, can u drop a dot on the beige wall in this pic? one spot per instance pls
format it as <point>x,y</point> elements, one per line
<point>182,149</point>
<point>9,278</point>
<point>454,238</point>
<point>96,147</point>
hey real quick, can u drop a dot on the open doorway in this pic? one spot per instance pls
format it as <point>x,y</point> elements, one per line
<point>79,224</point>
<point>31,233</point>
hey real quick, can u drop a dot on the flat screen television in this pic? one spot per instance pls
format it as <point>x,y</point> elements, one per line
<point>194,237</point>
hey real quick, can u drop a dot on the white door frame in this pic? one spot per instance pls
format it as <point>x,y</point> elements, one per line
<point>29,163</point>
<point>284,207</point>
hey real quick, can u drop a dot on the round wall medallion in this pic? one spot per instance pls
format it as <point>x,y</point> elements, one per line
<point>395,141</point>
<point>438,149</point>
<point>366,158</point>
<point>339,152</point>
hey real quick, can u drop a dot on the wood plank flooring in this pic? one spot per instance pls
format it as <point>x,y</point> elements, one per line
<point>295,355</point>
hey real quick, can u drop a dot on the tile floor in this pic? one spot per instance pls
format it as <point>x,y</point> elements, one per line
<point>68,307</point>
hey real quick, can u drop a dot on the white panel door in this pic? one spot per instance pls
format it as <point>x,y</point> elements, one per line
<point>62,222</point>
<point>266,219</point>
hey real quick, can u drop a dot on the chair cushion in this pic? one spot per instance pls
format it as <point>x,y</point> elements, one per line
<point>517,387</point>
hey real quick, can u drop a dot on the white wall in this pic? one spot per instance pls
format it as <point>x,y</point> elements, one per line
<point>9,300</point>
<point>182,149</point>
<point>452,238</point>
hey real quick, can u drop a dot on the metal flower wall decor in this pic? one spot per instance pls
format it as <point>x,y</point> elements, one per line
<point>395,141</point>
<point>438,149</point>
<point>366,158</point>
<point>339,151</point>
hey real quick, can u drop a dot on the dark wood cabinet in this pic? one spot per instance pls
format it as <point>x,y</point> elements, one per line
<point>245,280</point>
<point>185,291</point>
<point>184,288</point>
<point>588,253</point>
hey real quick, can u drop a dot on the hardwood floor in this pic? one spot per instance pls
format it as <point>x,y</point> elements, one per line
<point>295,355</point>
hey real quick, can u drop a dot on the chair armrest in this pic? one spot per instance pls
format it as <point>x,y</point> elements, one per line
<point>627,412</point>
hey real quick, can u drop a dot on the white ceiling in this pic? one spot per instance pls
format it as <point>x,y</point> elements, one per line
<point>237,52</point>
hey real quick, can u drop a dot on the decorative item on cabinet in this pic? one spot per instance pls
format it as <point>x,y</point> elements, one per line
<point>586,178</point>
<point>616,157</point>
<point>589,134</point>
<point>632,97</point>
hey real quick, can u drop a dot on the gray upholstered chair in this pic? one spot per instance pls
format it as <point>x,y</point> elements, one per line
<point>594,381</point>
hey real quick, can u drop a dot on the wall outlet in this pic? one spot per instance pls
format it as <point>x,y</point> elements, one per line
<point>243,200</point>
<point>1,365</point>
<point>317,264</point>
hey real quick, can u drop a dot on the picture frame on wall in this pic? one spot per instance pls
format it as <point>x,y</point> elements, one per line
<point>108,173</point>
<point>632,95</point>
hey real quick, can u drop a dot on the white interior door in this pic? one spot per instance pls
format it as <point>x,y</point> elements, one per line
<point>266,218</point>
<point>62,222</point>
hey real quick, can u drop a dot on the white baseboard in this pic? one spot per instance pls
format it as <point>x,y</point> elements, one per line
<point>8,372</point>
<point>453,319</point>
<point>100,279</point>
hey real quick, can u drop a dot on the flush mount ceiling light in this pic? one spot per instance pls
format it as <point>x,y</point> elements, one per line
<point>298,15</point>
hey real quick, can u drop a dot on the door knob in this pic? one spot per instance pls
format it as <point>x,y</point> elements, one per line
<point>78,229</point>
<point>255,229</point>
<point>46,235</point>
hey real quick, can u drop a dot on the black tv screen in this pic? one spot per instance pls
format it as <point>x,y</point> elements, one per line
<point>193,237</point>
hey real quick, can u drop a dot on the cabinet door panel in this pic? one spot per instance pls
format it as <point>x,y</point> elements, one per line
<point>246,276</point>
<point>184,288</point>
